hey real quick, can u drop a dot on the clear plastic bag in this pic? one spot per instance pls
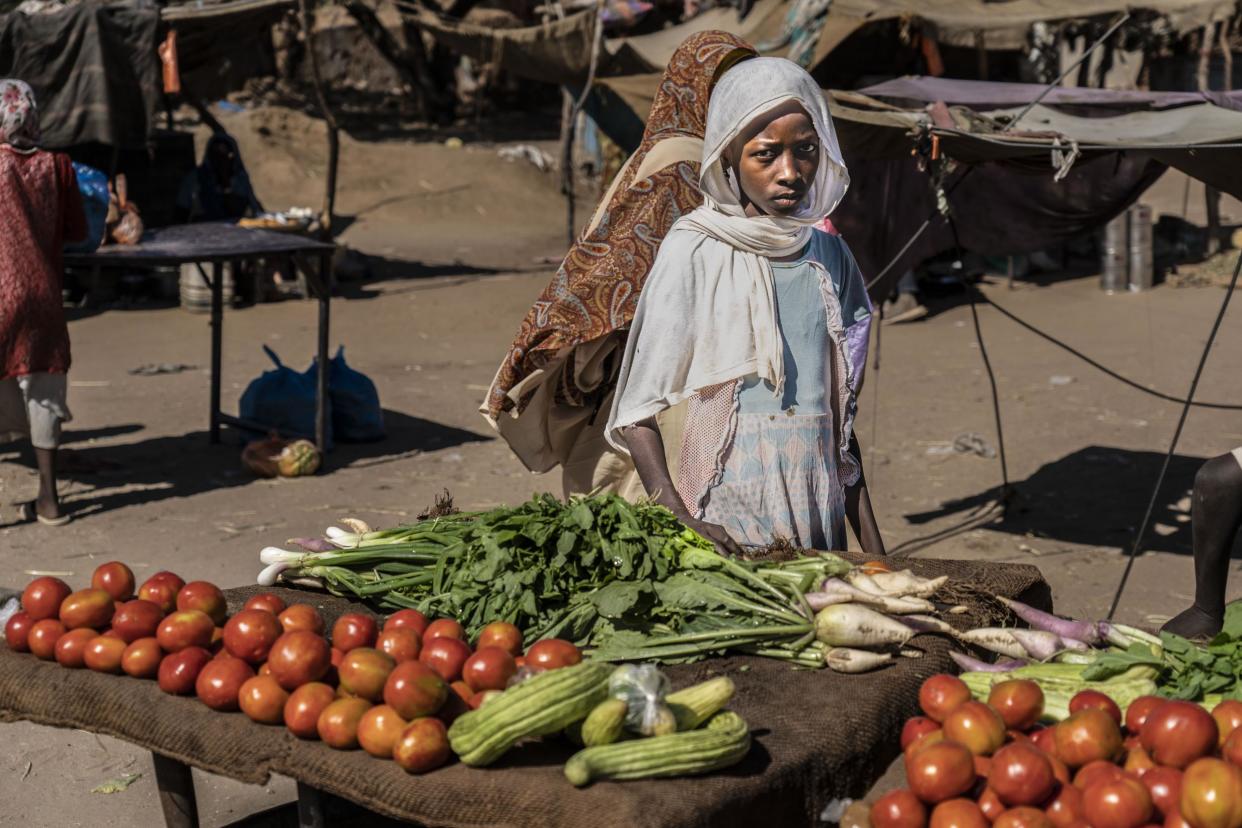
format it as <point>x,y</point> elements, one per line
<point>643,687</point>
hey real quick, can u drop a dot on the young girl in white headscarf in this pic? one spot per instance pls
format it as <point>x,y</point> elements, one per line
<point>758,324</point>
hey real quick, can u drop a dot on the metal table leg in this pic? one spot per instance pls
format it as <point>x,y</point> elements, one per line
<point>310,807</point>
<point>217,322</point>
<point>176,787</point>
<point>321,393</point>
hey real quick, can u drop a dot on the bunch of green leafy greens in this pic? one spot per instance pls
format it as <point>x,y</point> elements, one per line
<point>1187,670</point>
<point>627,580</point>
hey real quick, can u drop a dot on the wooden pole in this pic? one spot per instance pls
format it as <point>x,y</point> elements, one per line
<point>567,161</point>
<point>334,138</point>
<point>1211,194</point>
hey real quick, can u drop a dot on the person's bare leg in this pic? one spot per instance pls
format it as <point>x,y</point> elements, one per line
<point>48,502</point>
<point>1216,516</point>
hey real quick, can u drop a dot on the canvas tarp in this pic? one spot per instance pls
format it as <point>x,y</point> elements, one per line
<point>93,69</point>
<point>220,46</point>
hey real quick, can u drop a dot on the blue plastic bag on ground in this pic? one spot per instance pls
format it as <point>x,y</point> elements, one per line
<point>283,400</point>
<point>93,185</point>
<point>356,413</point>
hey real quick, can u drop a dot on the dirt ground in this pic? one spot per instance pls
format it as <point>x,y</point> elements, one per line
<point>458,241</point>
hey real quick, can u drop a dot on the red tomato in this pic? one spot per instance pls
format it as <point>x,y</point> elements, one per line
<point>363,672</point>
<point>1164,785</point>
<point>43,637</point>
<point>899,809</point>
<point>1024,817</point>
<point>1175,820</point>
<point>552,653</point>
<point>1228,716</point>
<point>379,729</point>
<point>1097,773</point>
<point>1177,733</point>
<point>1046,740</point>
<point>104,654</point>
<point>87,608</point>
<point>915,727</point>
<point>490,668</point>
<point>353,630</point>
<point>983,766</point>
<point>17,631</point>
<point>410,618</point>
<point>137,619</point>
<point>1021,775</point>
<point>423,746</point>
<point>400,643</point>
<point>457,703</point>
<point>480,699</point>
<point>43,596</point>
<point>71,647</point>
<point>413,689</point>
<point>872,567</point>
<point>1065,807</point>
<point>338,723</point>
<point>941,771</point>
<point>446,628</point>
<point>179,671</point>
<point>1086,736</point>
<point>941,694</point>
<point>957,813</point>
<point>926,740</point>
<point>447,656</point>
<point>501,634</point>
<point>161,589</point>
<point>219,683</point>
<point>1094,698</point>
<point>263,700</point>
<point>1059,770</point>
<point>304,706</point>
<point>266,601</point>
<point>250,634</point>
<point>1019,702</point>
<point>205,597</point>
<point>302,617</point>
<point>1138,710</point>
<point>1138,762</point>
<point>1212,794</point>
<point>299,657</point>
<point>141,658</point>
<point>1232,749</point>
<point>977,726</point>
<point>114,578</point>
<point>990,805</point>
<point>185,628</point>
<point>1121,803</point>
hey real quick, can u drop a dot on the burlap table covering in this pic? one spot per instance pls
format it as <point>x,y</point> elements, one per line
<point>818,736</point>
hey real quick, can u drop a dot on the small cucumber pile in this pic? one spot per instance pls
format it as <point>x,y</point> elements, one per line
<point>695,734</point>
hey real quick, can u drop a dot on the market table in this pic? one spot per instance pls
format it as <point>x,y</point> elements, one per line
<point>818,736</point>
<point>215,243</point>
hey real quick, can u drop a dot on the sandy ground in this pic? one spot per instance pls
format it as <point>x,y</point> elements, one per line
<point>456,238</point>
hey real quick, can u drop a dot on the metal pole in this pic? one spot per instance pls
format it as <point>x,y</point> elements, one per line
<point>217,324</point>
<point>321,391</point>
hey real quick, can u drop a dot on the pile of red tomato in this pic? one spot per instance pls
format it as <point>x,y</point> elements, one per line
<point>975,765</point>
<point>390,691</point>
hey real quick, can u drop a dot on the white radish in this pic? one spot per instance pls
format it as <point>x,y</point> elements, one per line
<point>847,660</point>
<point>928,624</point>
<point>910,652</point>
<point>863,581</point>
<point>887,603</point>
<point>906,583</point>
<point>996,640</point>
<point>1041,645</point>
<point>852,625</point>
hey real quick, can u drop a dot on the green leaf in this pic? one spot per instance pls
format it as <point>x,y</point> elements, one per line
<point>1233,620</point>
<point>581,514</point>
<point>620,597</point>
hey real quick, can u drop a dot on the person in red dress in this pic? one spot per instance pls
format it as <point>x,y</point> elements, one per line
<point>40,210</point>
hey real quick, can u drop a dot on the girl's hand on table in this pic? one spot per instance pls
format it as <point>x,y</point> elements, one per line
<point>715,533</point>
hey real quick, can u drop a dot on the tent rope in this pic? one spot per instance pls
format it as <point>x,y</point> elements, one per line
<point>1177,433</point>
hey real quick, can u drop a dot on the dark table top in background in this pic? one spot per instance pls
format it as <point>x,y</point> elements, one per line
<point>200,242</point>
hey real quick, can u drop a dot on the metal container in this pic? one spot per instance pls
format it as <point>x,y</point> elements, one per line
<point>1139,248</point>
<point>1113,264</point>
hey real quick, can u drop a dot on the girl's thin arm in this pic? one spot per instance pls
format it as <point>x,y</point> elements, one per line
<point>859,513</point>
<point>646,446</point>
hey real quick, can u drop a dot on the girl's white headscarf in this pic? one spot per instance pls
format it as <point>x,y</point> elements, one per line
<point>707,314</point>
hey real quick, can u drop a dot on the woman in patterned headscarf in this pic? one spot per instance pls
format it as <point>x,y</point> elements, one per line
<point>552,393</point>
<point>40,210</point>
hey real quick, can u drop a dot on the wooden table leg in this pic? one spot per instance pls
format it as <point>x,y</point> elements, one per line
<point>321,393</point>
<point>217,321</point>
<point>310,807</point>
<point>176,787</point>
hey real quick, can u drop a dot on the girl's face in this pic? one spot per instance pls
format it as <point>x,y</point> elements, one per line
<point>776,161</point>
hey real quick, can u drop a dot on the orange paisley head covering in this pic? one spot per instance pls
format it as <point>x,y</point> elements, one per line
<point>595,291</point>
